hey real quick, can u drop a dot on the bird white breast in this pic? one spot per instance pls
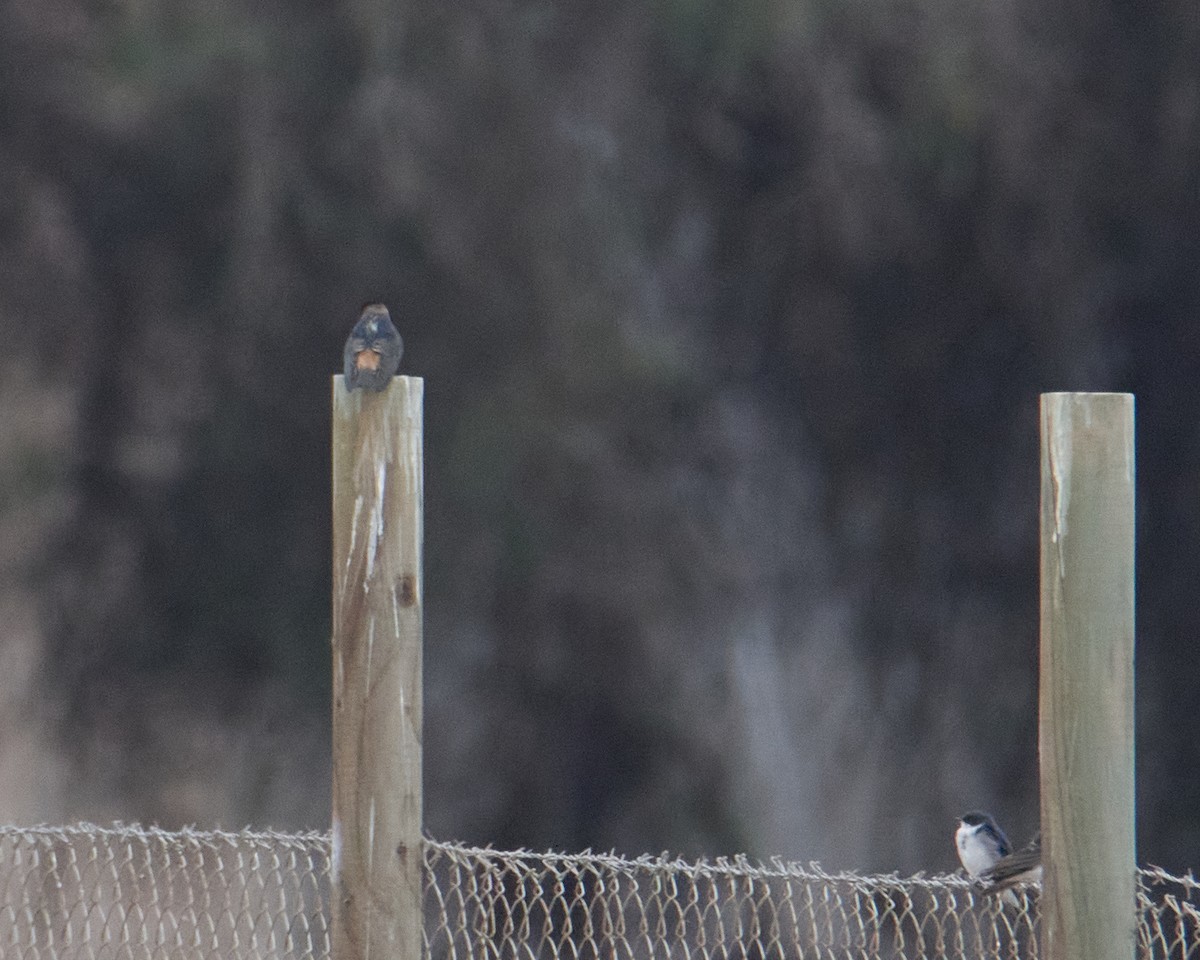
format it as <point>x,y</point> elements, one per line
<point>973,852</point>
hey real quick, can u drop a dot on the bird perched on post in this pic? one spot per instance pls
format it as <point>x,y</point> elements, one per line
<point>373,350</point>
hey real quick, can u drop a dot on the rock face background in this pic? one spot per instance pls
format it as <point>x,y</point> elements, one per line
<point>733,322</point>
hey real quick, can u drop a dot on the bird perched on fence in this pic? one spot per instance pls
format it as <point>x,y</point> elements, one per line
<point>373,350</point>
<point>981,843</point>
<point>1023,866</point>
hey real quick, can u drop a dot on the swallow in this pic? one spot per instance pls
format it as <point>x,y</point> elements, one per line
<point>1022,866</point>
<point>373,350</point>
<point>980,842</point>
<point>983,849</point>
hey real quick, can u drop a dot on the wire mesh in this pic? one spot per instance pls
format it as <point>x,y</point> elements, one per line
<point>483,903</point>
<point>129,893</point>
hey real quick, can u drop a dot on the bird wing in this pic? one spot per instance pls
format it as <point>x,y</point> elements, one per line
<point>1013,868</point>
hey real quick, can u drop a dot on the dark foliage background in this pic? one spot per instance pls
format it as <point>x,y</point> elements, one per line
<point>733,320</point>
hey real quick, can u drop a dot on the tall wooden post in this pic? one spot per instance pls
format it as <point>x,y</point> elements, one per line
<point>1086,695</point>
<point>378,493</point>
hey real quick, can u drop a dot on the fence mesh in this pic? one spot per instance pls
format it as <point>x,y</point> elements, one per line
<point>129,892</point>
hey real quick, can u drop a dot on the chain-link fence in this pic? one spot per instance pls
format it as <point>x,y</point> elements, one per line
<point>128,892</point>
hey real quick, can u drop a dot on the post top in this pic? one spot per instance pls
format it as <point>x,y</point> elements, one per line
<point>1088,394</point>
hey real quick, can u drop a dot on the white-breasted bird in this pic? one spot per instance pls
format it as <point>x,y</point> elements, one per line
<point>981,843</point>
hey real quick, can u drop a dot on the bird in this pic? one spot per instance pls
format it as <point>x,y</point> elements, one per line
<point>1023,866</point>
<point>981,843</point>
<point>373,350</point>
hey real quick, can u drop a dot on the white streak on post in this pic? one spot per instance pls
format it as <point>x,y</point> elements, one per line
<point>371,836</point>
<point>1059,452</point>
<point>372,546</point>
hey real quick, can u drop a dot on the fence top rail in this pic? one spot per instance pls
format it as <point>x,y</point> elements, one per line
<point>185,836</point>
<point>737,865</point>
<point>722,866</point>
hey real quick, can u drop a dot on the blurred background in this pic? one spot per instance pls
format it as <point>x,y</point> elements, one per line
<point>733,319</point>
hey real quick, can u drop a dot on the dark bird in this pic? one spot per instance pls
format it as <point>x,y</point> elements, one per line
<point>373,350</point>
<point>1023,866</point>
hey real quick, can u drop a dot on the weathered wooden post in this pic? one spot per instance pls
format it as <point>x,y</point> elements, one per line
<point>1086,695</point>
<point>378,494</point>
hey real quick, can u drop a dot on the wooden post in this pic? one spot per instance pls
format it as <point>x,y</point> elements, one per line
<point>1086,696</point>
<point>378,492</point>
